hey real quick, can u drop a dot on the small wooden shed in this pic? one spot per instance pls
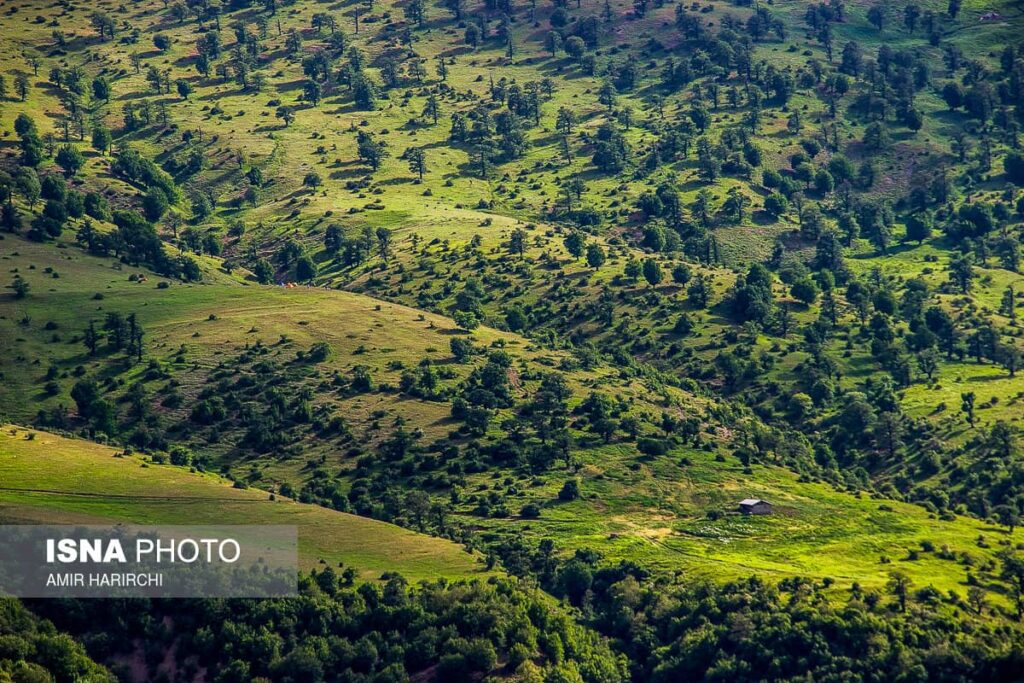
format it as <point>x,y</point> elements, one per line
<point>755,506</point>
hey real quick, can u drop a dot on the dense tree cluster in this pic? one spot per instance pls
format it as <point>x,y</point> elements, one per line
<point>33,650</point>
<point>373,632</point>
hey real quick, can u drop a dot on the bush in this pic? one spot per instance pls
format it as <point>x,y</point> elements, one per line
<point>319,352</point>
<point>570,490</point>
<point>530,511</point>
<point>652,447</point>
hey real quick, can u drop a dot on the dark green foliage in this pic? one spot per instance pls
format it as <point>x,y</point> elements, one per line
<point>857,637</point>
<point>30,650</point>
<point>446,632</point>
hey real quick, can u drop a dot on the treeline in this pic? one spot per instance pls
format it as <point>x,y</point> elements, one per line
<point>752,631</point>
<point>797,629</point>
<point>381,633</point>
<point>638,627</point>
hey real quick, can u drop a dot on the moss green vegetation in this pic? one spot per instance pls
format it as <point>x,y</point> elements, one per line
<point>48,479</point>
<point>665,514</point>
<point>559,282</point>
<point>671,512</point>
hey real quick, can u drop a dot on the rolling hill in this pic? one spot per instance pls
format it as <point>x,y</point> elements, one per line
<point>49,479</point>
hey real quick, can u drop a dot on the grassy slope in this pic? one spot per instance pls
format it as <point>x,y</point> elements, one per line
<point>651,511</point>
<point>217,321</point>
<point>523,189</point>
<point>656,514</point>
<point>131,490</point>
<point>288,153</point>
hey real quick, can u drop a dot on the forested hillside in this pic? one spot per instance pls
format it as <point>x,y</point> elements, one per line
<point>562,282</point>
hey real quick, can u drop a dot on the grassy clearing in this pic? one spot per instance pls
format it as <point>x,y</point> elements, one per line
<point>129,489</point>
<point>657,514</point>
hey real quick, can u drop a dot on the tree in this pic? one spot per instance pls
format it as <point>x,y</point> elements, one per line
<point>961,271</point>
<point>415,11</point>
<point>575,243</point>
<point>432,108</point>
<point>565,121</point>
<point>575,47</point>
<point>91,338</point>
<point>967,400</point>
<point>263,271</point>
<point>100,89</point>
<point>570,490</point>
<point>553,43</point>
<point>1009,356</point>
<point>876,137</point>
<point>574,580</point>
<point>914,119</point>
<point>103,24</point>
<point>953,94</point>
<point>607,94</point>
<point>26,180</point>
<point>384,243</point>
<point>976,599</point>
<point>21,86</point>
<point>804,290</point>
<point>20,287</point>
<point>184,88</point>
<point>736,203</point>
<point>370,150</point>
<point>417,159</point>
<point>1008,517</point>
<point>101,138</point>
<point>652,272</point>
<point>517,242</point>
<point>455,7</point>
<point>876,15</point>
<point>516,319</point>
<point>312,92</point>
<point>823,181</point>
<point>776,204</point>
<point>1013,164</point>
<point>899,585</point>
<point>312,180</point>
<point>155,204</point>
<point>286,114</point>
<point>919,227</point>
<point>70,159</point>
<point>928,362</point>
<point>1013,572</point>
<point>911,15</point>
<point>472,35</point>
<point>595,255</point>
<point>305,269</point>
<point>698,293</point>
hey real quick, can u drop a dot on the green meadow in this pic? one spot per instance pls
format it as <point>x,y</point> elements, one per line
<point>49,479</point>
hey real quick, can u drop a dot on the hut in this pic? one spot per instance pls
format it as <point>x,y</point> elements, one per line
<point>755,506</point>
